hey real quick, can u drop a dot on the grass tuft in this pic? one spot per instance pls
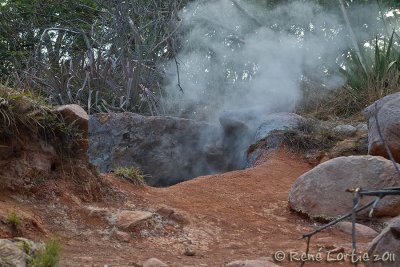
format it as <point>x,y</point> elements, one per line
<point>307,137</point>
<point>48,256</point>
<point>14,220</point>
<point>132,174</point>
<point>21,111</point>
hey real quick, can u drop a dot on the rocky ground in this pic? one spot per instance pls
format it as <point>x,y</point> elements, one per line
<point>208,221</point>
<point>298,169</point>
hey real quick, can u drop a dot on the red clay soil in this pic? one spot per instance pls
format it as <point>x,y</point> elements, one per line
<point>220,218</point>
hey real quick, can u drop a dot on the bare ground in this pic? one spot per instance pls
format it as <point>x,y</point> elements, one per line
<point>219,218</point>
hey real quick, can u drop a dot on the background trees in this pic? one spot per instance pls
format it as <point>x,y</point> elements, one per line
<point>99,54</point>
<point>110,55</point>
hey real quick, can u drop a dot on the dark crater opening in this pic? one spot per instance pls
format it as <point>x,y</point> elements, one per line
<point>168,150</point>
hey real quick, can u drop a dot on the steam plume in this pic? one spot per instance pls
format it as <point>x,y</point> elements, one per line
<point>236,55</point>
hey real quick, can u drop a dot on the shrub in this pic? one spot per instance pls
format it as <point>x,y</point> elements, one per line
<point>368,79</point>
<point>48,255</point>
<point>373,76</point>
<point>132,174</point>
<point>381,67</point>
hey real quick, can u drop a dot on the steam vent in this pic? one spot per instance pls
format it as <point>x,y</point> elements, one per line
<point>168,150</point>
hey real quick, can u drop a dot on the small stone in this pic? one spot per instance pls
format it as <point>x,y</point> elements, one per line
<point>128,219</point>
<point>165,212</point>
<point>347,130</point>
<point>361,230</point>
<point>362,127</point>
<point>189,252</point>
<point>122,236</point>
<point>153,262</point>
<point>75,114</point>
<point>98,212</point>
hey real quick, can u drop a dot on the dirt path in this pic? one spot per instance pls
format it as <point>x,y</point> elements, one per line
<point>233,216</point>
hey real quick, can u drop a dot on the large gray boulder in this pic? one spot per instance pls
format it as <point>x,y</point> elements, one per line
<point>278,122</point>
<point>386,247</point>
<point>387,110</point>
<point>167,149</point>
<point>321,192</point>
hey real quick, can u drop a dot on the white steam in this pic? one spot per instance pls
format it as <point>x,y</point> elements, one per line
<point>235,55</point>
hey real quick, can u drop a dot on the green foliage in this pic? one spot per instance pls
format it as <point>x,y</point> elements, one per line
<point>374,75</point>
<point>132,174</point>
<point>14,220</point>
<point>103,55</point>
<point>99,54</point>
<point>19,108</point>
<point>23,22</point>
<point>48,256</point>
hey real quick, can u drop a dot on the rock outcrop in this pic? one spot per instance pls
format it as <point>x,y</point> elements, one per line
<point>167,149</point>
<point>387,112</point>
<point>321,192</point>
<point>75,114</point>
<point>17,252</point>
<point>11,255</point>
<point>265,140</point>
<point>277,122</point>
<point>46,144</point>
<point>317,140</point>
